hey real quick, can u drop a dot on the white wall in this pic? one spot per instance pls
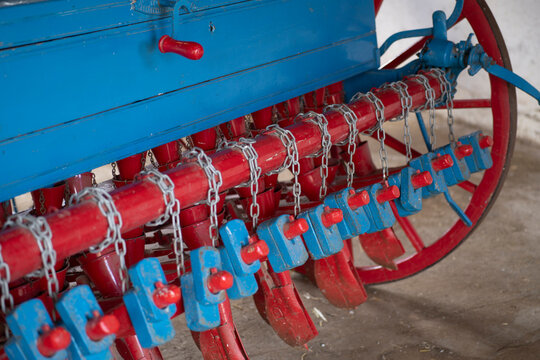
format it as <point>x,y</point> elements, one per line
<point>519,21</point>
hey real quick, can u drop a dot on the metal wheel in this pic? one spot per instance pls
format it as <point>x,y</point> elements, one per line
<point>483,192</point>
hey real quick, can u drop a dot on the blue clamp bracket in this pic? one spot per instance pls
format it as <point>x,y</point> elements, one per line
<point>152,324</point>
<point>355,220</point>
<point>424,163</point>
<point>200,303</point>
<point>76,308</point>
<point>481,156</point>
<point>459,171</point>
<point>235,236</point>
<point>323,238</point>
<point>379,210</point>
<point>282,235</point>
<point>28,322</point>
<point>410,182</point>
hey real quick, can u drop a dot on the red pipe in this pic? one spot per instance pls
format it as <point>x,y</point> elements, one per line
<point>78,227</point>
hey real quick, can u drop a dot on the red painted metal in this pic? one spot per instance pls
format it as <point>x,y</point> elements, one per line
<point>221,280</point>
<point>78,182</point>
<point>383,247</point>
<point>101,326</point>
<point>142,201</point>
<point>442,162</point>
<point>188,49</point>
<point>131,166</point>
<point>469,104</point>
<point>50,199</point>
<point>257,250</point>
<point>165,295</point>
<point>387,194</point>
<point>421,179</point>
<point>331,216</point>
<point>485,142</point>
<point>311,181</point>
<point>463,150</point>
<point>205,139</point>
<point>167,153</point>
<point>53,340</point>
<point>358,199</point>
<point>295,227</point>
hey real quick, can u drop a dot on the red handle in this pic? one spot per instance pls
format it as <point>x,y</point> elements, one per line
<point>188,49</point>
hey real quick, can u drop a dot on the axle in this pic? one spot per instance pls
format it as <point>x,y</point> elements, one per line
<point>76,228</point>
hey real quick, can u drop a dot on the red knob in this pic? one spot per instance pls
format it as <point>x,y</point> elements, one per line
<point>53,340</point>
<point>253,252</point>
<point>101,326</point>
<point>331,216</point>
<point>421,179</point>
<point>295,228</point>
<point>357,200</point>
<point>463,150</point>
<point>387,194</point>
<point>485,141</point>
<point>442,162</point>
<point>188,49</point>
<point>222,280</point>
<point>165,295</point>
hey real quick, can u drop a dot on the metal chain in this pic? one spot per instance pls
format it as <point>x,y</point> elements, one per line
<point>172,211</point>
<point>430,104</point>
<point>446,95</point>
<point>152,159</point>
<point>406,105</point>
<point>255,172</point>
<point>114,235</point>
<point>41,231</point>
<point>42,207</point>
<point>381,133</point>
<point>351,119</point>
<point>6,299</point>
<point>94,182</point>
<point>214,183</point>
<point>113,169</point>
<point>291,160</point>
<point>326,143</point>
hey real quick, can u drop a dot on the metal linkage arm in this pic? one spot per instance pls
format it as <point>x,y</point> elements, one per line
<point>78,227</point>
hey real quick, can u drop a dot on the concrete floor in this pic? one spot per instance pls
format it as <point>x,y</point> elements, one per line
<point>481,302</point>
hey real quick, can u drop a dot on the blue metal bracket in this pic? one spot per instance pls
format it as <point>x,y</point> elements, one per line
<point>235,236</point>
<point>380,215</point>
<point>355,222</point>
<point>152,325</point>
<point>459,171</point>
<point>410,199</point>
<point>321,241</point>
<point>76,308</point>
<point>480,158</point>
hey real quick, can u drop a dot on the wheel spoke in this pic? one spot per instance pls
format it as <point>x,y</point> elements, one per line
<point>469,104</point>
<point>397,145</point>
<point>467,185</point>
<point>408,229</point>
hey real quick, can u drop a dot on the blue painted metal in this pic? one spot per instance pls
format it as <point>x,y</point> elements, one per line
<point>25,323</point>
<point>124,85</point>
<point>321,241</point>
<point>235,236</point>
<point>459,171</point>
<point>423,163</point>
<point>284,254</point>
<point>76,307</point>
<point>480,158</point>
<point>152,325</point>
<point>355,222</point>
<point>410,199</point>
<point>380,215</point>
<point>423,130</point>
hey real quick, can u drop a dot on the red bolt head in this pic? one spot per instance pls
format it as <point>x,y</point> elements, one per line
<point>442,162</point>
<point>101,326</point>
<point>463,150</point>
<point>485,141</point>
<point>359,199</point>
<point>253,252</point>
<point>53,340</point>
<point>222,280</point>
<point>387,194</point>
<point>295,228</point>
<point>331,216</point>
<point>165,295</point>
<point>188,49</point>
<point>421,179</point>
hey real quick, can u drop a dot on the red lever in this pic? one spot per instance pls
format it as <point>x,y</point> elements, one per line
<point>387,194</point>
<point>101,326</point>
<point>255,251</point>
<point>295,228</point>
<point>463,150</point>
<point>165,295</point>
<point>331,216</point>
<point>357,200</point>
<point>188,49</point>
<point>485,142</point>
<point>421,179</point>
<point>442,162</point>
<point>53,340</point>
<point>222,280</point>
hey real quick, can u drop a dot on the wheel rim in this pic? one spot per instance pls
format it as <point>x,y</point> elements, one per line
<point>503,106</point>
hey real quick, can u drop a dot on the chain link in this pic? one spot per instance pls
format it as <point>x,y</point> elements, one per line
<point>214,183</point>
<point>291,160</point>
<point>114,235</point>
<point>172,211</point>
<point>351,119</point>
<point>406,105</point>
<point>446,96</point>
<point>94,182</point>
<point>6,299</point>
<point>430,104</point>
<point>152,159</point>
<point>113,169</point>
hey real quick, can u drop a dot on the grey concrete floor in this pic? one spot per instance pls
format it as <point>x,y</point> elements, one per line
<point>480,302</point>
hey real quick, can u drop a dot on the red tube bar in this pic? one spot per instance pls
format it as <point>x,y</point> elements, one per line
<point>78,227</point>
